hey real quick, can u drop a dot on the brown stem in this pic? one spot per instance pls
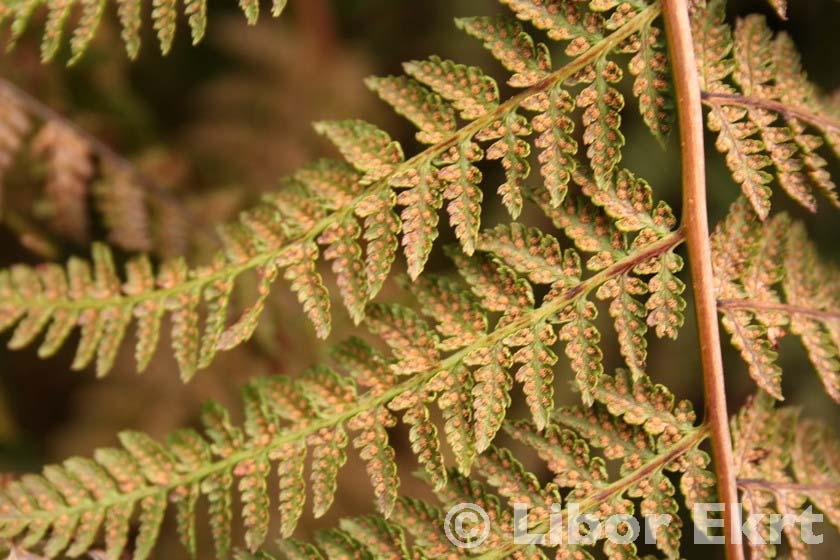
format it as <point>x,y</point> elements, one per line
<point>789,111</point>
<point>755,305</point>
<point>317,24</point>
<point>695,222</point>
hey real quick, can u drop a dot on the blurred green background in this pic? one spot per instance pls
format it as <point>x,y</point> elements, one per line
<point>218,124</point>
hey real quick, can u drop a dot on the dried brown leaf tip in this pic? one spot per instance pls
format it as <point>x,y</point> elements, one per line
<point>771,280</point>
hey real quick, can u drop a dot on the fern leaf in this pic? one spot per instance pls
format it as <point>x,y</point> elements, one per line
<point>814,463</point>
<point>764,285</point>
<point>514,48</point>
<point>423,522</point>
<point>555,140</point>
<point>783,462</point>
<point>514,152</point>
<point>408,336</point>
<point>372,441</point>
<point>92,11</point>
<point>328,456</point>
<point>319,200</point>
<point>666,304</point>
<point>217,488</point>
<point>290,471</point>
<point>471,92</point>
<point>54,28</point>
<point>497,286</point>
<point>164,18</point>
<point>602,106</point>
<point>754,71</point>
<point>422,200</point>
<point>651,87</point>
<point>462,190</point>
<point>70,171</point>
<point>537,372</point>
<point>811,285</point>
<point>757,116</point>
<point>434,118</point>
<point>306,282</point>
<point>285,418</point>
<point>456,403</point>
<point>744,156</point>
<point>184,318</point>
<point>131,21</point>
<point>491,393</point>
<point>164,15</point>
<point>458,317</point>
<point>381,538</point>
<point>562,21</point>
<point>338,543</point>
<point>423,434</point>
<point>629,316</point>
<point>582,338</point>
<point>381,226</point>
<point>348,265</point>
<point>527,251</point>
<point>368,148</point>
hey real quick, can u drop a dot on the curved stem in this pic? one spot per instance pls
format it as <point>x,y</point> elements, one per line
<point>695,222</point>
<point>789,111</point>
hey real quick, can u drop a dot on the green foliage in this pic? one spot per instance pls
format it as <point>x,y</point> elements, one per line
<point>342,205</point>
<point>85,16</point>
<point>493,331</point>
<point>446,365</point>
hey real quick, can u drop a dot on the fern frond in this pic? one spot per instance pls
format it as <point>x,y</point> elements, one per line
<point>323,202</point>
<point>568,446</point>
<point>284,417</point>
<point>85,16</point>
<point>763,115</point>
<point>769,279</point>
<point>783,462</point>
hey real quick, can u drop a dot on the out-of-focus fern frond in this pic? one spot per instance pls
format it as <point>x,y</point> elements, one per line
<point>762,107</point>
<point>770,279</point>
<point>88,185</point>
<point>784,463</point>
<point>85,16</point>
